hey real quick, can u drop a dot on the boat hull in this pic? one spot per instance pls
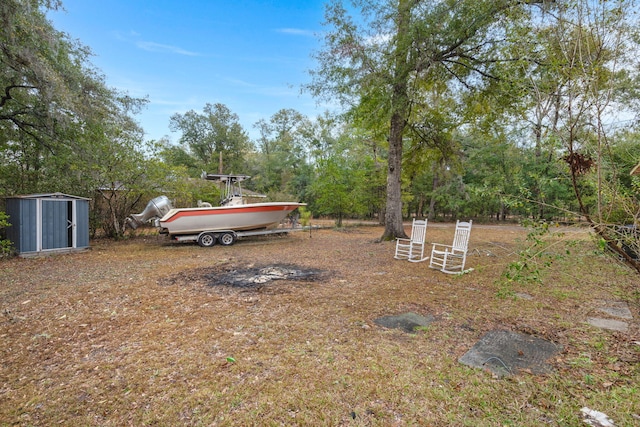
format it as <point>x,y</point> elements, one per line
<point>247,217</point>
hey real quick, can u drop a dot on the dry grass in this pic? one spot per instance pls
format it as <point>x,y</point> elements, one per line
<point>130,333</point>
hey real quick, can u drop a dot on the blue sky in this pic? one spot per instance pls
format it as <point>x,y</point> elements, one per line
<point>253,56</point>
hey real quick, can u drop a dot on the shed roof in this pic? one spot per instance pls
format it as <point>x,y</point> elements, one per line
<point>47,196</point>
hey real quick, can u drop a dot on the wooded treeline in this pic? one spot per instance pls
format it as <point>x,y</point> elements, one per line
<point>451,109</point>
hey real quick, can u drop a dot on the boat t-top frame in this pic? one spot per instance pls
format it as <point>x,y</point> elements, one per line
<point>232,189</point>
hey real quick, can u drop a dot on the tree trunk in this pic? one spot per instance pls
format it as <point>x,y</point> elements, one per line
<point>381,214</point>
<point>393,216</point>
<point>399,115</point>
<point>420,210</point>
<point>434,188</point>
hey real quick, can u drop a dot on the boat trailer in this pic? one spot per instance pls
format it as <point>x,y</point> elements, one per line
<point>206,239</point>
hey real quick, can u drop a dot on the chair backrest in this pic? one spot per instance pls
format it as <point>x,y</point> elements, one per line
<point>461,238</point>
<point>419,231</point>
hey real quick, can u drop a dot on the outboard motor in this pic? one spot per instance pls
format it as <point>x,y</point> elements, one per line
<point>156,208</point>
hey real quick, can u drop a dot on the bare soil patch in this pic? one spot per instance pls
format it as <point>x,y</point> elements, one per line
<point>148,332</point>
<point>244,277</point>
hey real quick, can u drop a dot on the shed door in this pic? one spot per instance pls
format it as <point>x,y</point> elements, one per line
<point>57,224</point>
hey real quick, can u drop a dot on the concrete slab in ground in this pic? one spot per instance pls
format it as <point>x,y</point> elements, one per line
<point>407,322</point>
<point>614,325</point>
<point>505,353</point>
<point>617,309</point>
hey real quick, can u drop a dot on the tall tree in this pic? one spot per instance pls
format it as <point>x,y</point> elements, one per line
<point>46,82</point>
<point>283,153</point>
<point>61,127</point>
<point>374,64</point>
<point>214,137</point>
<point>343,179</point>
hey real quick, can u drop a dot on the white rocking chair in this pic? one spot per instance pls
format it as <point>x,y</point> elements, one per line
<point>413,249</point>
<point>451,258</point>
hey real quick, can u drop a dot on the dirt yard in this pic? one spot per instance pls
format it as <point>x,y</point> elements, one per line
<point>149,332</point>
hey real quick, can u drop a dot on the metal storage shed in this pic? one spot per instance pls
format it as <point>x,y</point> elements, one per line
<point>48,223</point>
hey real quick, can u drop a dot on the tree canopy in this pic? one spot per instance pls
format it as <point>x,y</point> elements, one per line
<point>213,135</point>
<point>384,65</point>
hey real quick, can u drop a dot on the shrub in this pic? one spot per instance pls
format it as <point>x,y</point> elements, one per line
<point>5,244</point>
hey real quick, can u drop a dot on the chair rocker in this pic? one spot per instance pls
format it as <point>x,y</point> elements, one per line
<point>450,259</point>
<point>413,249</point>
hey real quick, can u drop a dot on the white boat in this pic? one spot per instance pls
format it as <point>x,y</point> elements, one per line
<point>207,224</point>
<point>247,217</point>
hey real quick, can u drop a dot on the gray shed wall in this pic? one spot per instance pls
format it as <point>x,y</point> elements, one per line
<point>61,223</point>
<point>82,224</point>
<point>22,217</point>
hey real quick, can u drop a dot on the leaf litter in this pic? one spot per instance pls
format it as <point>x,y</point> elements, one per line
<point>137,333</point>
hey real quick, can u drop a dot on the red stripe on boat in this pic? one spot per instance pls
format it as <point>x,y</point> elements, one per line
<point>230,211</point>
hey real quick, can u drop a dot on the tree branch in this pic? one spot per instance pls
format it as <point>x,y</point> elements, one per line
<point>7,92</point>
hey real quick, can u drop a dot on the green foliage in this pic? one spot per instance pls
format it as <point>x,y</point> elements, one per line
<point>543,247</point>
<point>305,216</point>
<point>280,166</point>
<point>205,193</point>
<point>211,140</point>
<point>333,191</point>
<point>177,156</point>
<point>400,83</point>
<point>348,178</point>
<point>5,244</point>
<point>61,128</point>
<point>41,84</point>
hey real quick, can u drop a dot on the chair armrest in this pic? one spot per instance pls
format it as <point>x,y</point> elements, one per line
<point>441,247</point>
<point>448,249</point>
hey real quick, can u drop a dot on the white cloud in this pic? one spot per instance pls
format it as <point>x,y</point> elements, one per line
<point>238,82</point>
<point>270,91</point>
<point>296,32</point>
<point>151,46</point>
<point>164,48</point>
<point>124,36</point>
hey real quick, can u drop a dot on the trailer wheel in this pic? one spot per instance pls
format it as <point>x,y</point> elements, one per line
<point>206,240</point>
<point>227,239</point>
